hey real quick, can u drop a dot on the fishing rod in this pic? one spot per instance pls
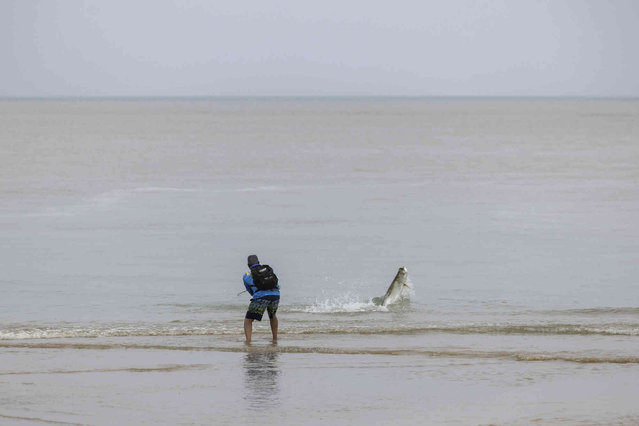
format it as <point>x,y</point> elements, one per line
<point>245,291</point>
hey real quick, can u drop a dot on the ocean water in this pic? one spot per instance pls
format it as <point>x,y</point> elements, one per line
<point>125,227</point>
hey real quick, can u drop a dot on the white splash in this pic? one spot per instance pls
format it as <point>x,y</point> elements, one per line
<point>345,303</point>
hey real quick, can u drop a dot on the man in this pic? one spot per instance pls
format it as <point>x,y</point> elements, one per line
<point>261,283</point>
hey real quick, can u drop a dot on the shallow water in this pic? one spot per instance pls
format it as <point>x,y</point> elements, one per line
<point>125,227</point>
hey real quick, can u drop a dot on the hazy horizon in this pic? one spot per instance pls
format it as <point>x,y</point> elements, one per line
<point>460,48</point>
<point>308,97</point>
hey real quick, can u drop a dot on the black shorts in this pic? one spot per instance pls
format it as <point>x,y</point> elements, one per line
<point>258,306</point>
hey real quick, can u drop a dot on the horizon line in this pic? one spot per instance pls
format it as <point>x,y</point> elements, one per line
<point>315,97</point>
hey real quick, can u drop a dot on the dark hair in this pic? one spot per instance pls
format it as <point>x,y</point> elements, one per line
<point>253,260</point>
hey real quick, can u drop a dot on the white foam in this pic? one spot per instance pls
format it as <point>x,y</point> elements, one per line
<point>341,304</point>
<point>117,331</point>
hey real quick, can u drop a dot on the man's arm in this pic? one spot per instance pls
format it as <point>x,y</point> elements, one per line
<point>248,283</point>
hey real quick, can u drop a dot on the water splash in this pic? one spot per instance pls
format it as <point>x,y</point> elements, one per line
<point>345,303</point>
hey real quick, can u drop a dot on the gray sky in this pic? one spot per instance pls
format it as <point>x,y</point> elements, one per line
<point>328,47</point>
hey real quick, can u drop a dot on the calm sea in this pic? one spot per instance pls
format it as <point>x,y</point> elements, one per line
<point>125,227</point>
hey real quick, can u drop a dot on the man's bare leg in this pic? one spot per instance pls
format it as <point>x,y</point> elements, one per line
<point>248,329</point>
<point>274,324</point>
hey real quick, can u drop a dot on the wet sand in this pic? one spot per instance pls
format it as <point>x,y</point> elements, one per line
<point>99,383</point>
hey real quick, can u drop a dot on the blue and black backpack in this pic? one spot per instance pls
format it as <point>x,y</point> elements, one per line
<point>263,277</point>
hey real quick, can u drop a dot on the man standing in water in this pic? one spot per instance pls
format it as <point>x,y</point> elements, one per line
<point>261,283</point>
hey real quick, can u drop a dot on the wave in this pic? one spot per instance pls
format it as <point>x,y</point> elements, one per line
<point>36,419</point>
<point>595,311</point>
<point>30,333</point>
<point>352,302</point>
<point>524,329</point>
<point>505,355</point>
<point>160,369</point>
<point>123,331</point>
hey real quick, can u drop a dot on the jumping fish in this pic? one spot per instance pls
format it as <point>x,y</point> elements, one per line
<point>394,292</point>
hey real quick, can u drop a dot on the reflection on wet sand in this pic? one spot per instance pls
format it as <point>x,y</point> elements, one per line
<point>262,372</point>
